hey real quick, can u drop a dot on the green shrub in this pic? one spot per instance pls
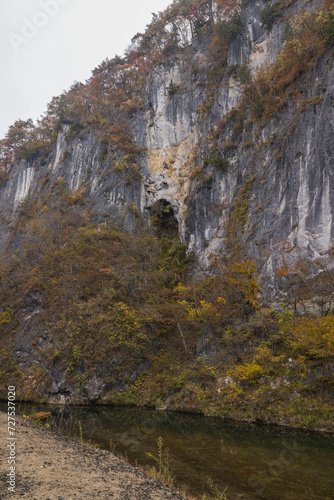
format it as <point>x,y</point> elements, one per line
<point>328,30</point>
<point>172,89</point>
<point>257,106</point>
<point>244,74</point>
<point>214,158</point>
<point>74,129</point>
<point>233,26</point>
<point>269,15</point>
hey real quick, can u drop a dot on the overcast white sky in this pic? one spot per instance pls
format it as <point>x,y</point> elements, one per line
<point>46,45</point>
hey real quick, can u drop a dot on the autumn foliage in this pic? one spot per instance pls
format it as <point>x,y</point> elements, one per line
<point>106,300</point>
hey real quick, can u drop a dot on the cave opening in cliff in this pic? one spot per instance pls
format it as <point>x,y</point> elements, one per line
<point>163,220</point>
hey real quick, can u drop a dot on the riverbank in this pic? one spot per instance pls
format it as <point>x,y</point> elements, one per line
<point>49,466</point>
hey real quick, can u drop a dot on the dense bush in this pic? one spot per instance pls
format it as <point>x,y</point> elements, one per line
<point>269,15</point>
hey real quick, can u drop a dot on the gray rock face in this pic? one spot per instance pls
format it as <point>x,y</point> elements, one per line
<point>288,164</point>
<point>291,197</point>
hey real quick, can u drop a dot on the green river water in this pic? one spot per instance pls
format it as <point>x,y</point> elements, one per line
<point>252,461</point>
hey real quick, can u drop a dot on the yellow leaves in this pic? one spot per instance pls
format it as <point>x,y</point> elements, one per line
<point>125,163</point>
<point>127,328</point>
<point>6,316</point>
<point>197,303</point>
<point>234,391</point>
<point>285,317</point>
<point>181,290</point>
<point>313,337</point>
<point>76,196</point>
<point>247,371</point>
<point>263,356</point>
<point>319,332</point>
<point>201,310</point>
<point>244,275</point>
<point>206,309</point>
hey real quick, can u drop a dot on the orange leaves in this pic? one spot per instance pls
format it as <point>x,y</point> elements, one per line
<point>106,271</point>
<point>76,196</point>
<point>221,300</point>
<point>305,42</point>
<point>282,271</point>
<point>94,82</point>
<point>214,41</point>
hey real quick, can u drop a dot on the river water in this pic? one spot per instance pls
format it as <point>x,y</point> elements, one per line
<point>253,462</point>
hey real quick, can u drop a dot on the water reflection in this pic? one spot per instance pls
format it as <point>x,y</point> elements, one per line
<point>253,462</point>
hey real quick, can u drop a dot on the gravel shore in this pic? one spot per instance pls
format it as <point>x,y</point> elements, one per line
<point>50,466</point>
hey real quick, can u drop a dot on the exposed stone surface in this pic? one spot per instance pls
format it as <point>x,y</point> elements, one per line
<point>289,169</point>
<point>292,194</point>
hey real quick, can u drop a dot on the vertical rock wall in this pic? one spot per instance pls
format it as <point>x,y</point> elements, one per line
<point>288,163</point>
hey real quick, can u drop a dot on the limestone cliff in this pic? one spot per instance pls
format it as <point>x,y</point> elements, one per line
<point>266,176</point>
<point>289,158</point>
